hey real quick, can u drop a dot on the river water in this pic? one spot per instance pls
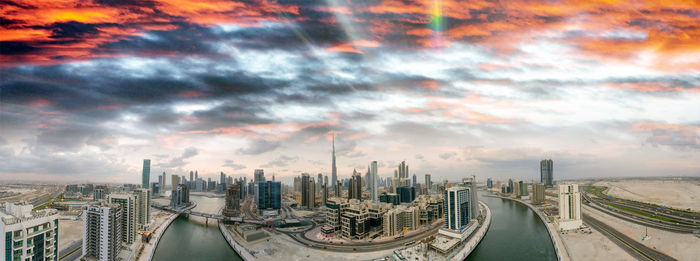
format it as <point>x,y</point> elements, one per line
<point>516,233</point>
<point>191,239</point>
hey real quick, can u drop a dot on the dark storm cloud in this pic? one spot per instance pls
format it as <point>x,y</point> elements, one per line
<point>73,29</point>
<point>259,146</point>
<point>16,47</point>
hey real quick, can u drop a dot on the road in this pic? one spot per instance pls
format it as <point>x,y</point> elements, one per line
<point>607,207</point>
<point>636,249</point>
<point>72,252</point>
<point>359,247</point>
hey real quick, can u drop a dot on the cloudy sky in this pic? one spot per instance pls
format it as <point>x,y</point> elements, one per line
<point>88,89</point>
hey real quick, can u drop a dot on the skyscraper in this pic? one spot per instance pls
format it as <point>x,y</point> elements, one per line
<point>547,172</point>
<point>190,183</point>
<point>414,180</point>
<point>355,186</point>
<point>428,183</point>
<point>164,181</point>
<point>308,190</point>
<point>102,232</point>
<point>373,180</point>
<point>259,175</point>
<point>457,207</point>
<point>538,193</point>
<point>222,183</point>
<point>146,173</point>
<point>334,175</point>
<point>174,180</point>
<point>319,182</point>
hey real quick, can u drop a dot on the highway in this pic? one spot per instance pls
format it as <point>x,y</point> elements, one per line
<point>636,249</point>
<point>676,224</point>
<point>72,252</point>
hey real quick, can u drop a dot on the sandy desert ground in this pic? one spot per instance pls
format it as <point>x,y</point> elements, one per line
<point>594,246</point>
<point>69,231</point>
<point>676,245</point>
<point>682,194</point>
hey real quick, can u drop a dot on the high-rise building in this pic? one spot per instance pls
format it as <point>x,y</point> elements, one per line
<point>163,182</point>
<point>308,196</point>
<point>547,172</point>
<point>324,194</point>
<point>143,203</point>
<point>334,174</point>
<point>406,194</point>
<point>190,183</point>
<point>146,173</point>
<point>415,180</point>
<point>232,207</point>
<point>569,207</point>
<point>509,189</point>
<point>523,189</point>
<point>337,189</point>
<point>180,196</point>
<point>374,181</point>
<point>27,234</point>
<point>259,175</point>
<point>269,195</point>
<point>428,182</point>
<point>489,183</point>
<point>355,186</point>
<point>222,183</point>
<point>99,193</point>
<point>319,182</point>
<point>537,193</point>
<point>155,188</point>
<point>174,181</point>
<point>130,214</point>
<point>457,207</point>
<point>102,232</point>
<point>473,201</point>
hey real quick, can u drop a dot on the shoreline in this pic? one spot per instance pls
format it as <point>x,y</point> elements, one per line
<point>557,241</point>
<point>161,230</point>
<point>480,234</point>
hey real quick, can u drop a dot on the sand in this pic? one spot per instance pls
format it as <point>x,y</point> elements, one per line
<point>69,231</point>
<point>682,194</point>
<point>676,245</point>
<point>593,246</point>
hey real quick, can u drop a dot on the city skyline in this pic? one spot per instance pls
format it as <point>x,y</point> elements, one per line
<point>90,89</point>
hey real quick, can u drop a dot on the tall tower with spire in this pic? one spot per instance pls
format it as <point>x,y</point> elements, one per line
<point>334,174</point>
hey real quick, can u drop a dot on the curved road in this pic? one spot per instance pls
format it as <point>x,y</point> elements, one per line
<point>636,249</point>
<point>358,247</point>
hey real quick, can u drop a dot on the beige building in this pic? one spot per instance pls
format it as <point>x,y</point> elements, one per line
<point>130,214</point>
<point>569,207</point>
<point>401,219</point>
<point>538,193</point>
